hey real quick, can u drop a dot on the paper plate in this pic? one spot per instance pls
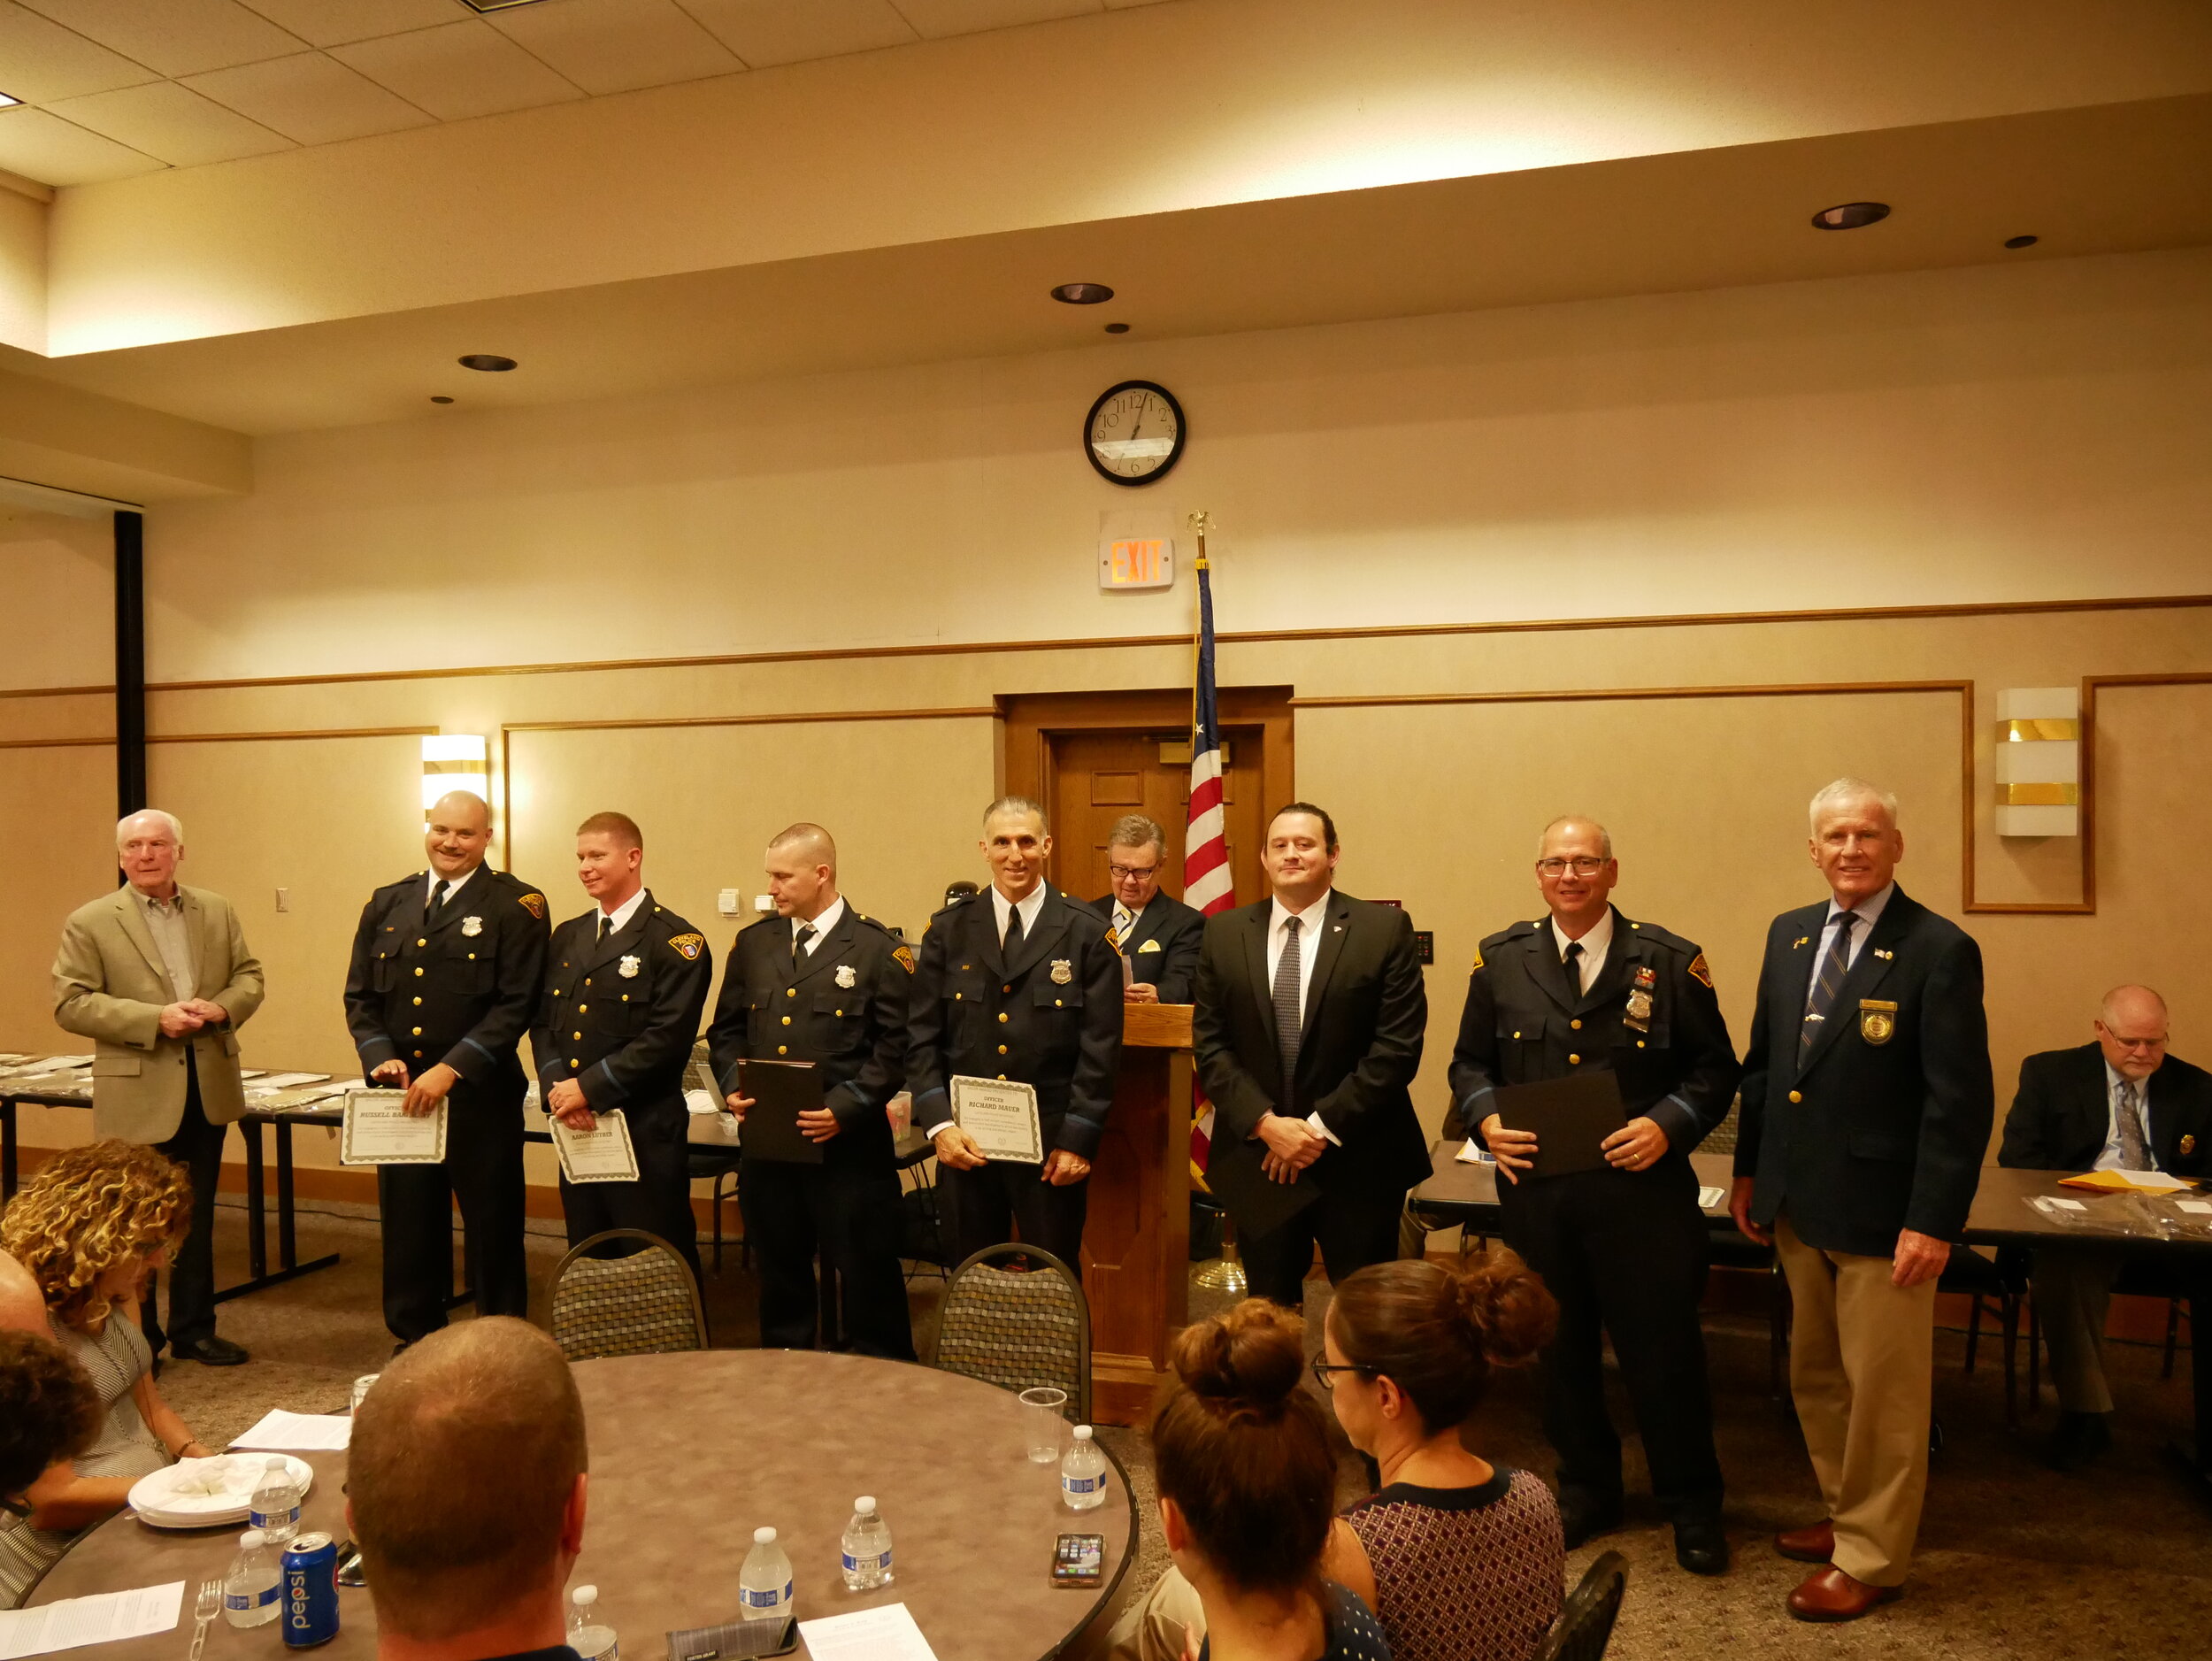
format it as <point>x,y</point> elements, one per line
<point>209,1493</point>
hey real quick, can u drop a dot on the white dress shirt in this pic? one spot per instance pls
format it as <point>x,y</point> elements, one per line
<point>1125,921</point>
<point>1595,945</point>
<point>1002,908</point>
<point>1309,922</point>
<point>821,925</point>
<point>2114,1082</point>
<point>620,918</point>
<point>1870,911</point>
<point>434,882</point>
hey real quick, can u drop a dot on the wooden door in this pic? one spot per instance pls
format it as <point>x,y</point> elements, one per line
<point>1097,776</point>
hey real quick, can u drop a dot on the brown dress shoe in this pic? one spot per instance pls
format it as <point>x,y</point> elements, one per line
<point>1814,1543</point>
<point>1832,1595</point>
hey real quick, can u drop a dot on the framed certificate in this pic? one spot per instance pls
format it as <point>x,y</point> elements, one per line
<point>379,1131</point>
<point>1001,1114</point>
<point>601,1154</point>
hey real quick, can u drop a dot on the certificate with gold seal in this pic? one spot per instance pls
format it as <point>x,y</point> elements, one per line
<point>601,1154</point>
<point>378,1130</point>
<point>1000,1115</point>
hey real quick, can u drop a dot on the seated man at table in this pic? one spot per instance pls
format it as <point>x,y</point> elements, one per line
<point>2120,1103</point>
<point>466,1492</point>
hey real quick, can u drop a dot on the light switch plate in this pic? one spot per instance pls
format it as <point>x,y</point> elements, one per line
<point>284,899</point>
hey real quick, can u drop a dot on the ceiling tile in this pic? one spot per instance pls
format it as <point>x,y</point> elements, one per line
<point>174,122</point>
<point>176,37</point>
<point>763,32</point>
<point>310,98</point>
<point>53,151</point>
<point>334,22</point>
<point>41,61</point>
<point>457,70</point>
<point>935,18</point>
<point>616,45</point>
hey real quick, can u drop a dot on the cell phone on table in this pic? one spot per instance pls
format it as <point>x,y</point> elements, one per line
<point>1079,1560</point>
<point>736,1640</point>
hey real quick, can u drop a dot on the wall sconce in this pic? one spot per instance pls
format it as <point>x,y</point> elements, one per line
<point>453,761</point>
<point>2039,762</point>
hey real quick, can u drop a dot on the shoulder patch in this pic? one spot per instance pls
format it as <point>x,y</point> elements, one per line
<point>688,946</point>
<point>532,903</point>
<point>903,955</point>
<point>1699,970</point>
<point>1478,960</point>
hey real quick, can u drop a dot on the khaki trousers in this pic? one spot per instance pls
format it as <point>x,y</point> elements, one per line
<point>1862,1366</point>
<point>2073,1295</point>
<point>1153,1628</point>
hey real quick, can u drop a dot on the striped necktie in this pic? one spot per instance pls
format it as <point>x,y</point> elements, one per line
<point>2135,1154</point>
<point>1834,964</point>
<point>1288,1014</point>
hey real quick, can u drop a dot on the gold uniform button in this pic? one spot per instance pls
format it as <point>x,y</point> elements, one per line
<point>837,1012</point>
<point>471,957</point>
<point>418,1032</point>
<point>583,1009</point>
<point>1576,1024</point>
<point>418,1003</point>
<point>418,972</point>
<point>422,942</point>
<point>586,980</point>
<point>955,997</point>
<point>787,1020</point>
<point>573,1062</point>
<point>1517,1035</point>
<point>626,997</point>
<point>791,991</point>
<point>1574,1061</point>
<point>1639,1043</point>
<point>579,1036</point>
<point>418,1054</point>
<point>1056,1004</point>
<point>1001,1050</point>
<point>1002,1015</point>
<point>779,1050</point>
<point>1006,988</point>
<point>1002,1077</point>
<point>1796,1096</point>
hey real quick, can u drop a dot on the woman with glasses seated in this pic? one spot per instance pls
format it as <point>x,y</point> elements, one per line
<point>90,1226</point>
<point>1460,1559</point>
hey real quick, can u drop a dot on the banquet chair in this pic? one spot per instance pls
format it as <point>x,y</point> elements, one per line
<point>644,1304</point>
<point>1019,1330</point>
<point>1585,1626</point>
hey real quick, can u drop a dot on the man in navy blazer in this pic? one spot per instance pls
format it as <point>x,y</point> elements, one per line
<point>1156,934</point>
<point>1866,1109</point>
<point>2120,1103</point>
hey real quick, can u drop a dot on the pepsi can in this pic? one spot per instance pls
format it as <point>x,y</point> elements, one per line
<point>311,1591</point>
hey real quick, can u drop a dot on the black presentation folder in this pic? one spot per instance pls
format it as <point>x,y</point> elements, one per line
<point>1571,1118</point>
<point>1258,1204</point>
<point>781,1090</point>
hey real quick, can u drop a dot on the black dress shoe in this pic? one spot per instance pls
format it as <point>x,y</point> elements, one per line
<point>210,1352</point>
<point>1582,1517</point>
<point>2079,1438</point>
<point>1701,1547</point>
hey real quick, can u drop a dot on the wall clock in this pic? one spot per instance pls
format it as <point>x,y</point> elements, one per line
<point>1134,433</point>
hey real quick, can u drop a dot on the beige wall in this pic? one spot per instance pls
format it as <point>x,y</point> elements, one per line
<point>1969,437</point>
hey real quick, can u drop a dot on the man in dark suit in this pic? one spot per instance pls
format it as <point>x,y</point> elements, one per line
<point>1156,934</point>
<point>1623,1249</point>
<point>1017,983</point>
<point>447,966</point>
<point>2121,1104</point>
<point>624,985</point>
<point>1867,1107</point>
<point>1308,1033</point>
<point>819,983</point>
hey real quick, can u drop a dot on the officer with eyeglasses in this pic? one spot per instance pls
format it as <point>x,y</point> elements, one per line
<point>1622,1248</point>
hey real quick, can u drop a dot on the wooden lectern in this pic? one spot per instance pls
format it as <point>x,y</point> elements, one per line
<point>1136,1242</point>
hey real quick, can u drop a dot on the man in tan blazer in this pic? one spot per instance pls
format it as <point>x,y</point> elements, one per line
<point>158,976</point>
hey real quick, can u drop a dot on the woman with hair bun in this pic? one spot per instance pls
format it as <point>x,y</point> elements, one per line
<point>1248,1494</point>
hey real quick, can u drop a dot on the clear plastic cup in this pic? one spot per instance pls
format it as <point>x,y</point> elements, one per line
<point>1044,1424</point>
<point>361,1388</point>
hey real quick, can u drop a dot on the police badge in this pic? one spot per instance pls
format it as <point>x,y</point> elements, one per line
<point>472,926</point>
<point>846,977</point>
<point>629,966</point>
<point>1063,972</point>
<point>1877,1020</point>
<point>1637,1018</point>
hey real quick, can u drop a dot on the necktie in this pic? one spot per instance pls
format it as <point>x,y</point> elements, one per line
<point>2135,1155</point>
<point>1834,964</point>
<point>1573,958</point>
<point>1289,1013</point>
<point>438,898</point>
<point>606,925</point>
<point>1013,940</point>
<point>1122,923</point>
<point>799,938</point>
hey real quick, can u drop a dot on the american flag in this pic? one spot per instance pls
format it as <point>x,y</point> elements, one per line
<point>1207,882</point>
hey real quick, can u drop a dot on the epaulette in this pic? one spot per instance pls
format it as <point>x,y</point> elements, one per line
<point>953,905</point>
<point>1665,937</point>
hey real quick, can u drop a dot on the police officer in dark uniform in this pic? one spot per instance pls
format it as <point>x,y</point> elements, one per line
<point>1623,1249</point>
<point>625,986</point>
<point>819,983</point>
<point>1017,983</point>
<point>445,971</point>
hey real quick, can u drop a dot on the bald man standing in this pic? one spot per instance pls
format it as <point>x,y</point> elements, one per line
<point>158,977</point>
<point>2118,1103</point>
<point>447,966</point>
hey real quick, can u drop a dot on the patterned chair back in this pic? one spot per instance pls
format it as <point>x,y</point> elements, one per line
<point>1017,1330</point>
<point>1722,1138</point>
<point>646,1303</point>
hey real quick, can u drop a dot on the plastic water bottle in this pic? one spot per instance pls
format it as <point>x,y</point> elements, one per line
<point>1083,1472</point>
<point>867,1548</point>
<point>275,1508</point>
<point>588,1635</point>
<point>763,1585</point>
<point>253,1590</point>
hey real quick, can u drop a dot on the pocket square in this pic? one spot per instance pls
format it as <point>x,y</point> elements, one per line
<point>1149,945</point>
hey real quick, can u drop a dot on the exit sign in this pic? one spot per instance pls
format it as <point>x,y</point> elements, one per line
<point>1136,562</point>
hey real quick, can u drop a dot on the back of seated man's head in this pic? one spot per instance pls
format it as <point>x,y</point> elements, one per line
<point>49,1410</point>
<point>465,1482</point>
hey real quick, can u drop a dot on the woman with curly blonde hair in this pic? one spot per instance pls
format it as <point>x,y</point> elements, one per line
<point>89,1227</point>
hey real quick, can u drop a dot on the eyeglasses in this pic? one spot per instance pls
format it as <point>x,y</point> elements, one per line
<point>1322,1370</point>
<point>1122,873</point>
<point>1582,867</point>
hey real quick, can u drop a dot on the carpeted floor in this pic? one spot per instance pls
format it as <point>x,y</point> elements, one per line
<point>2015,1560</point>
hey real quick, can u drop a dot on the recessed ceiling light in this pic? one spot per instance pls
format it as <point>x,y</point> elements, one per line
<point>440,398</point>
<point>1117,328</point>
<point>1850,216</point>
<point>2021,242</point>
<point>490,363</point>
<point>1082,294</point>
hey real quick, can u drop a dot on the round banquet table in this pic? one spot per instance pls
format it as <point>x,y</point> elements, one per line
<point>689,1454</point>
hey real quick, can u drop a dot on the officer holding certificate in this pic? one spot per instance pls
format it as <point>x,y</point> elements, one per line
<point>818,982</point>
<point>447,964</point>
<point>1622,1246</point>
<point>625,986</point>
<point>1017,985</point>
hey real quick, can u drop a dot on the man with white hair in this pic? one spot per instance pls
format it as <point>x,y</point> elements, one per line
<point>1866,1109</point>
<point>158,977</point>
<point>2118,1103</point>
